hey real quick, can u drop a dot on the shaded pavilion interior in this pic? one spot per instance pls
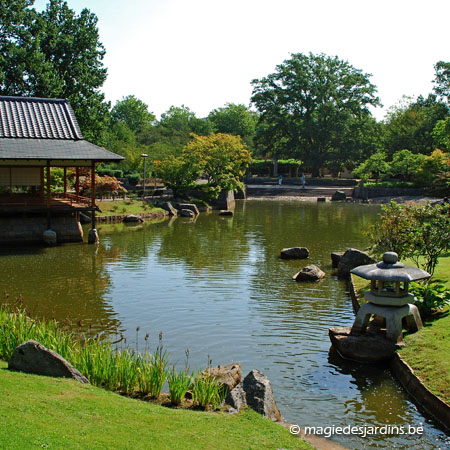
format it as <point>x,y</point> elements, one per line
<point>37,135</point>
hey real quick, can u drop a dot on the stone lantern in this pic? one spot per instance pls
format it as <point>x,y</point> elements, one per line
<point>388,296</point>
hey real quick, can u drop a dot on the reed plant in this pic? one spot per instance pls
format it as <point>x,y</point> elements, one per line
<point>179,384</point>
<point>152,369</point>
<point>121,370</point>
<point>207,392</point>
<point>107,365</point>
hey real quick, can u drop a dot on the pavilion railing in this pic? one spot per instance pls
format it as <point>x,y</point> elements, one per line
<point>74,198</point>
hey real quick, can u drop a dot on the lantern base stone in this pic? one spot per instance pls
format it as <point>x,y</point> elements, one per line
<point>393,316</point>
<point>371,347</point>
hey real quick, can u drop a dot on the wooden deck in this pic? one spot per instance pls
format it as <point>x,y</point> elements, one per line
<point>22,204</point>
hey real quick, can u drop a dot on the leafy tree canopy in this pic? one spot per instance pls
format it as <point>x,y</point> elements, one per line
<point>223,158</point>
<point>442,80</point>
<point>410,125</point>
<point>54,53</point>
<point>133,112</point>
<point>307,103</point>
<point>235,119</point>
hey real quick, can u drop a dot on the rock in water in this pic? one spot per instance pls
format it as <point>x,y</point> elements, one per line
<point>190,206</point>
<point>353,258</point>
<point>49,237</point>
<point>186,213</point>
<point>259,395</point>
<point>338,195</point>
<point>335,258</point>
<point>309,273</point>
<point>133,218</point>
<point>168,207</point>
<point>294,253</point>
<point>32,357</point>
<point>229,375</point>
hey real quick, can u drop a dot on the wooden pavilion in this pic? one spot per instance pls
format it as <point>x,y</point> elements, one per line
<point>37,134</point>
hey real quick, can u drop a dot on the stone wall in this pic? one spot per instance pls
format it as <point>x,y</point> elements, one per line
<point>373,192</point>
<point>29,229</point>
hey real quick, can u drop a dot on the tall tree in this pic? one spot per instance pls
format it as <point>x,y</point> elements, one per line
<point>411,124</point>
<point>309,101</point>
<point>55,53</point>
<point>132,112</point>
<point>235,119</point>
<point>442,80</point>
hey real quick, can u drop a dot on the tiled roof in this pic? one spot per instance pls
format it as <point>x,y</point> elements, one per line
<point>37,118</point>
<point>53,149</point>
<point>44,129</point>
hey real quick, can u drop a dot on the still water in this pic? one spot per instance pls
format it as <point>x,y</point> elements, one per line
<point>217,286</point>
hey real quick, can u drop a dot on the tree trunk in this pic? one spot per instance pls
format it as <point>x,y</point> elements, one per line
<point>275,166</point>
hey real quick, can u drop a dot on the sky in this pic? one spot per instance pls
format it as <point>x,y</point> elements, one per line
<point>205,53</point>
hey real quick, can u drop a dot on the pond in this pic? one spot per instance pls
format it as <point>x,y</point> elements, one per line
<point>217,286</point>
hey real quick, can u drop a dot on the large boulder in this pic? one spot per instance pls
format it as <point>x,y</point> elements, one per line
<point>168,207</point>
<point>32,357</point>
<point>236,398</point>
<point>370,347</point>
<point>191,206</point>
<point>353,258</point>
<point>335,258</point>
<point>309,273</point>
<point>229,375</point>
<point>294,253</point>
<point>259,395</point>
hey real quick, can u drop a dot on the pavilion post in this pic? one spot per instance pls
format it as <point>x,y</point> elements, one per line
<point>77,183</point>
<point>65,182</point>
<point>48,184</point>
<point>48,196</point>
<point>42,190</point>
<point>93,185</point>
<point>93,235</point>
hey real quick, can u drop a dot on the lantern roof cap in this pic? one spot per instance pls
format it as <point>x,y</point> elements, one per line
<point>390,270</point>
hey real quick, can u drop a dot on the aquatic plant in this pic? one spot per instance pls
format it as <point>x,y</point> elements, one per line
<point>179,384</point>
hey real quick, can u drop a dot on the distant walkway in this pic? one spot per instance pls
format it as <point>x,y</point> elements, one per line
<point>290,190</point>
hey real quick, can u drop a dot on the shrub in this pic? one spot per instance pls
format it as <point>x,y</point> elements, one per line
<point>418,232</point>
<point>431,297</point>
<point>134,178</point>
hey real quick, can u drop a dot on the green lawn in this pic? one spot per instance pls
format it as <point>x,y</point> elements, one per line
<point>428,353</point>
<point>442,272</point>
<point>119,207</point>
<point>41,412</point>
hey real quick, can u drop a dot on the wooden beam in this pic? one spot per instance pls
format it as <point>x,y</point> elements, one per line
<point>93,184</point>
<point>42,191</point>
<point>65,181</point>
<point>77,182</point>
<point>48,183</point>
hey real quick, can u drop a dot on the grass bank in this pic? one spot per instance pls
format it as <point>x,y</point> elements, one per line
<point>42,412</point>
<point>119,207</point>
